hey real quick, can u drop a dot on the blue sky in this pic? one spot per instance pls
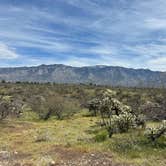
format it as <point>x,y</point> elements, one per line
<point>129,33</point>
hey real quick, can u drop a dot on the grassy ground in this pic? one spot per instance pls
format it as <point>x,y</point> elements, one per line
<point>78,133</point>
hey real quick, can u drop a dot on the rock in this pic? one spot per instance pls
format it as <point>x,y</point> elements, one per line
<point>15,152</point>
<point>4,155</point>
<point>52,163</point>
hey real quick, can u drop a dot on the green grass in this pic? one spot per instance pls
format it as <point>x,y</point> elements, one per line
<point>81,132</point>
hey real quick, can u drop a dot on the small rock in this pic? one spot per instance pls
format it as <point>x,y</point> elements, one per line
<point>52,163</point>
<point>15,152</point>
<point>104,163</point>
<point>4,155</point>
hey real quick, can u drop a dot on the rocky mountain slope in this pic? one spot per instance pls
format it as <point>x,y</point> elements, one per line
<point>101,75</point>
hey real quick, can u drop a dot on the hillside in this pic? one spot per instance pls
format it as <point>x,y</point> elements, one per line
<point>101,75</point>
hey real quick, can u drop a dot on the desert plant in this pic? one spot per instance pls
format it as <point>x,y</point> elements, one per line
<point>55,106</point>
<point>122,123</point>
<point>94,106</point>
<point>116,116</point>
<point>47,105</point>
<point>101,136</point>
<point>4,109</point>
<point>140,120</point>
<point>155,133</point>
<point>42,135</point>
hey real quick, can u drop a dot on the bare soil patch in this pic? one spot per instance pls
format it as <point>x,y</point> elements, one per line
<point>66,157</point>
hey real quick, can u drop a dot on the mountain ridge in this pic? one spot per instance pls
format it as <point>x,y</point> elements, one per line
<point>99,74</point>
<point>100,66</point>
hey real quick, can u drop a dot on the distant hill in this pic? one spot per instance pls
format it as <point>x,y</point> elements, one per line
<point>101,75</point>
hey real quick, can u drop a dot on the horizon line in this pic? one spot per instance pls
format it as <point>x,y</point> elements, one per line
<point>97,65</point>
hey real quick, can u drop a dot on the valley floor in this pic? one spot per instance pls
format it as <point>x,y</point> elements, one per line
<point>71,143</point>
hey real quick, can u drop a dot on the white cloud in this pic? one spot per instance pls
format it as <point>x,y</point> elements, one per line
<point>7,53</point>
<point>155,23</point>
<point>101,50</point>
<point>148,50</point>
<point>157,63</point>
<point>122,33</point>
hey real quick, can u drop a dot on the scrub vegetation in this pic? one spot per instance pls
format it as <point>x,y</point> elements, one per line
<point>64,124</point>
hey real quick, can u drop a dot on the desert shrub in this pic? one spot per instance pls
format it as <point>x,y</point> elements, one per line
<point>150,108</point>
<point>46,106</point>
<point>29,115</point>
<point>62,107</point>
<point>115,116</point>
<point>4,109</point>
<point>94,106</point>
<point>56,106</point>
<point>69,109</point>
<point>101,136</point>
<point>45,114</point>
<point>122,123</point>
<point>155,133</point>
<point>140,120</point>
<point>42,135</point>
<point>5,106</point>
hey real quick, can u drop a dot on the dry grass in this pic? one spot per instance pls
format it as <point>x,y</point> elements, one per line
<point>76,133</point>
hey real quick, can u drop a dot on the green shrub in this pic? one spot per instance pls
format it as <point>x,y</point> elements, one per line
<point>29,115</point>
<point>101,136</point>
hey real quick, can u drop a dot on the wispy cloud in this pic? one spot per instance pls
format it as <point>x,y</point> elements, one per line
<point>74,32</point>
<point>7,53</point>
<point>148,50</point>
<point>155,24</point>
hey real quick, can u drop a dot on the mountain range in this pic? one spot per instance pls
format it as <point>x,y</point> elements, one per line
<point>100,75</point>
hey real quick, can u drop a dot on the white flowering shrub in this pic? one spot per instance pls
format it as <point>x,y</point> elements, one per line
<point>122,123</point>
<point>156,132</point>
<point>115,116</point>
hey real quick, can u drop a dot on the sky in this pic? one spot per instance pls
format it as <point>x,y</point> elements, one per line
<point>128,33</point>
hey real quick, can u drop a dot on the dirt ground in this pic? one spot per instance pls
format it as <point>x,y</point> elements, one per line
<point>64,157</point>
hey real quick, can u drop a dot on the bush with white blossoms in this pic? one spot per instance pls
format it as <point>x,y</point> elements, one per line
<point>155,133</point>
<point>115,116</point>
<point>122,123</point>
